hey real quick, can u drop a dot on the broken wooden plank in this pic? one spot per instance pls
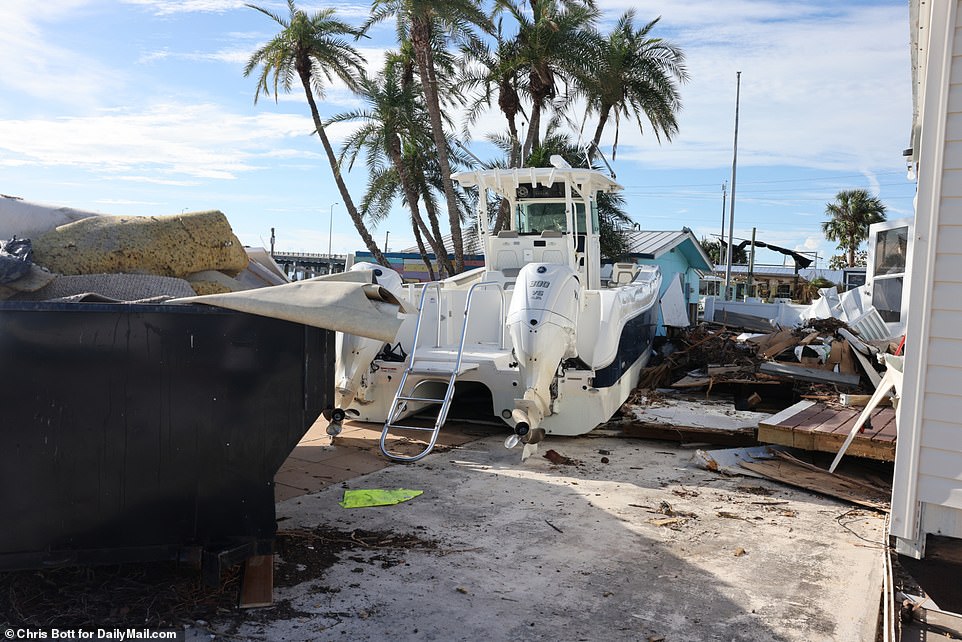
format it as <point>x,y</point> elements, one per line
<point>257,585</point>
<point>793,472</point>
<point>860,400</point>
<point>808,374</point>
<point>721,371</point>
<point>780,343</point>
<point>688,434</point>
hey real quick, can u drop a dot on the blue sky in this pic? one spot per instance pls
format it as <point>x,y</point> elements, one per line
<point>140,107</point>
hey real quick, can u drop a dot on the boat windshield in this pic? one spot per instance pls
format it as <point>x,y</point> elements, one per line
<point>539,216</point>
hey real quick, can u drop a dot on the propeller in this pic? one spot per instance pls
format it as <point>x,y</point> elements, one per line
<point>336,416</point>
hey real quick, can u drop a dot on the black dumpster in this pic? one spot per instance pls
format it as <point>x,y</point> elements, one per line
<point>135,432</point>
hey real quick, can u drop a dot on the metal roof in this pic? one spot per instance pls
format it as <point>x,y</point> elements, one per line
<point>651,244</point>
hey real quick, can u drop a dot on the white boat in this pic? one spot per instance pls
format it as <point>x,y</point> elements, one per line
<point>558,350</point>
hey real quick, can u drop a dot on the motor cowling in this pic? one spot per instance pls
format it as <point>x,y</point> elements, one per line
<point>542,322</point>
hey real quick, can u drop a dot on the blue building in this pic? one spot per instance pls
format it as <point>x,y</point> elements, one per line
<point>681,258</point>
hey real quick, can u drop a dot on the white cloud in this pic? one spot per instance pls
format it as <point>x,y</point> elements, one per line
<point>820,87</point>
<point>170,7</point>
<point>173,7</point>
<point>168,142</point>
<point>35,66</point>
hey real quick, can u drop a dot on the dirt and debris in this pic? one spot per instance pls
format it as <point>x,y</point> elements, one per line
<point>160,594</point>
<point>168,594</point>
<point>558,459</point>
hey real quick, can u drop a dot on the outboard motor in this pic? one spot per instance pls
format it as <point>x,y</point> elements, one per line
<point>354,354</point>
<point>542,322</point>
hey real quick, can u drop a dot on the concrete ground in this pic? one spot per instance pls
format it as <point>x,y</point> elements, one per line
<point>645,547</point>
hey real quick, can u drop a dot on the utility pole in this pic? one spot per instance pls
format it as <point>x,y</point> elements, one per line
<point>272,242</point>
<point>722,247</point>
<point>731,214</point>
<point>386,235</point>
<point>751,266</point>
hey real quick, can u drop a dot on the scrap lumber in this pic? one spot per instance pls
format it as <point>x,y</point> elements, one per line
<point>789,470</point>
<point>779,344</point>
<point>809,374</point>
<point>861,400</point>
<point>723,371</point>
<point>688,434</point>
<point>257,585</point>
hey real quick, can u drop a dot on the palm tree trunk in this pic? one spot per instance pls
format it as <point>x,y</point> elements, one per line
<point>602,121</point>
<point>534,130</point>
<point>443,260</point>
<point>424,252</point>
<point>366,237</point>
<point>411,196</point>
<point>421,42</point>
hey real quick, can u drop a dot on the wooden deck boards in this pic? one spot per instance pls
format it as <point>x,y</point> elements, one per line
<point>815,426</point>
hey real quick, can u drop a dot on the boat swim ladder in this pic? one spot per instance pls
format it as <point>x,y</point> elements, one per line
<point>433,371</point>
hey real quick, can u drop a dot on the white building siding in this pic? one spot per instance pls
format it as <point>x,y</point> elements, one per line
<point>928,480</point>
<point>940,466</point>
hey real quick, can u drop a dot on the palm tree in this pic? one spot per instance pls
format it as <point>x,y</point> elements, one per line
<point>394,121</point>
<point>850,215</point>
<point>384,187</point>
<point>312,49</point>
<point>486,68</point>
<point>551,43</point>
<point>418,21</point>
<point>634,73</point>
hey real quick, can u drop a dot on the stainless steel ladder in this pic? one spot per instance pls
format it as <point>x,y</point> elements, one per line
<point>432,371</point>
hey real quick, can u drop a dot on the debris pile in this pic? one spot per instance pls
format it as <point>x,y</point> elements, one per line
<point>821,359</point>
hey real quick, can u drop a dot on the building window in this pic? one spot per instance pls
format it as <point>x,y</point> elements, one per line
<point>891,248</point>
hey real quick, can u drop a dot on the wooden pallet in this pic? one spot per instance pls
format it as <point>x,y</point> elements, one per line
<point>815,426</point>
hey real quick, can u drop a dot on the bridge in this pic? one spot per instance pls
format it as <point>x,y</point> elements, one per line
<point>306,265</point>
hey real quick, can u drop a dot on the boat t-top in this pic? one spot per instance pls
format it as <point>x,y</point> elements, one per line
<point>557,348</point>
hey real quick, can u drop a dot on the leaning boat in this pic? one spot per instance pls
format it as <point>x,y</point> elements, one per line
<point>557,349</point>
